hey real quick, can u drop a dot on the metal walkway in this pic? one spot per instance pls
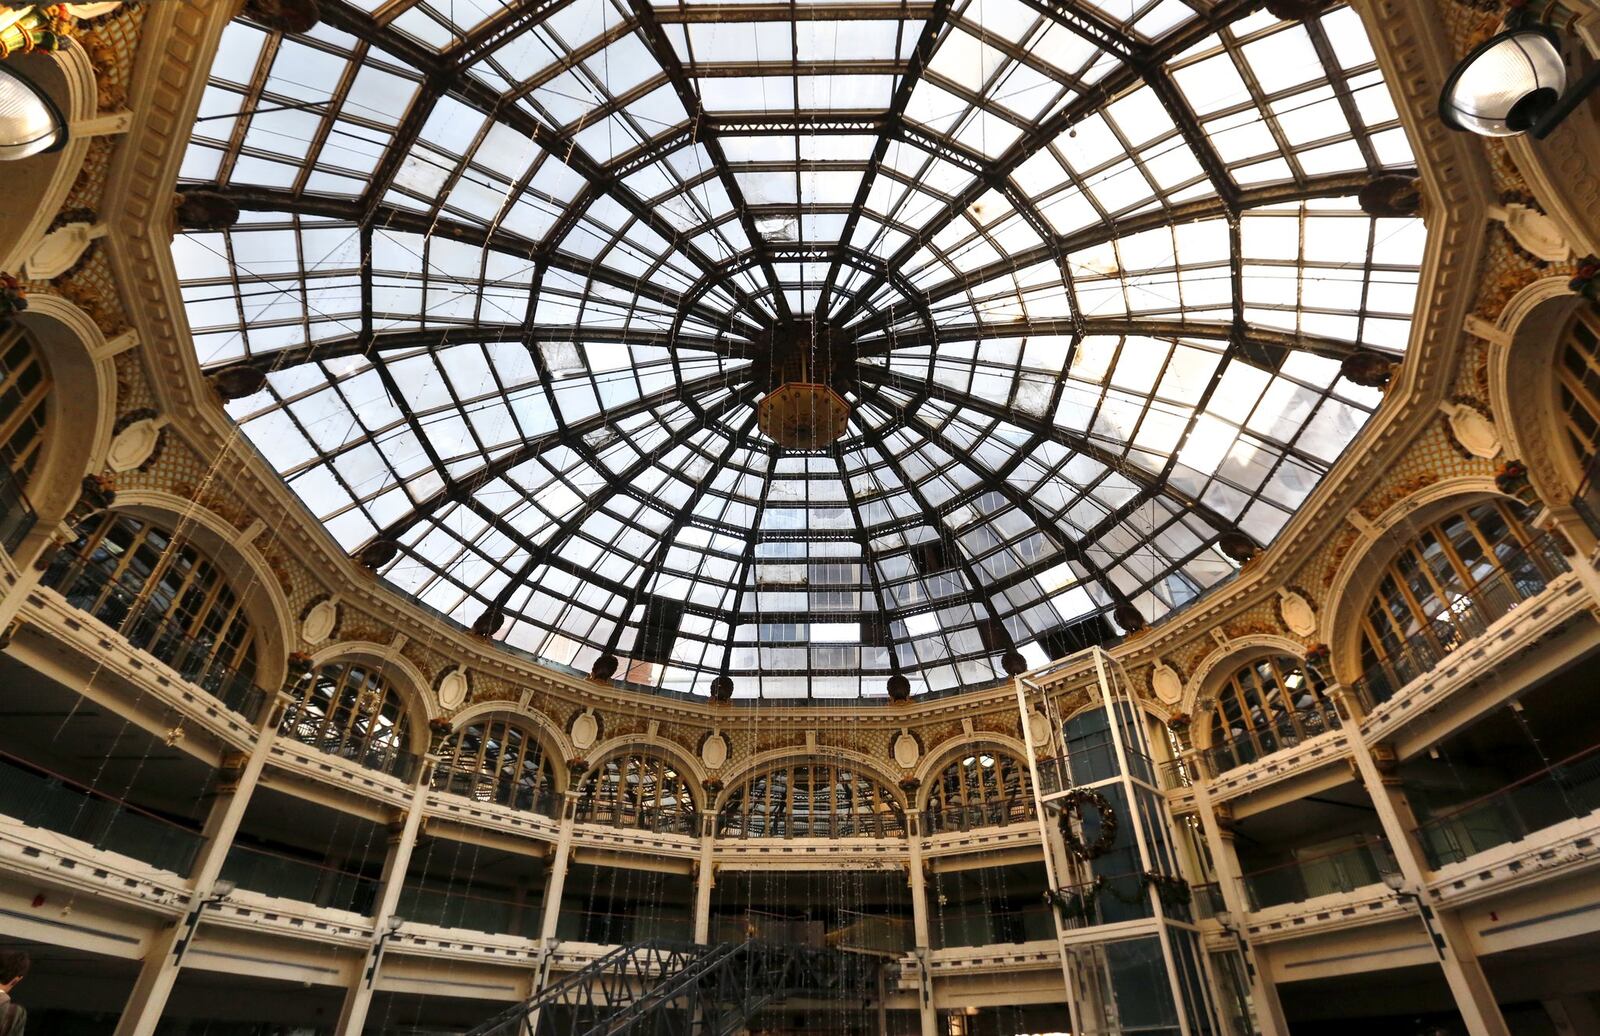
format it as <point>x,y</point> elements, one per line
<point>660,988</point>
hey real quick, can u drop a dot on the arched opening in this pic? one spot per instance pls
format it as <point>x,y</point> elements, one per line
<point>640,789</point>
<point>1271,703</point>
<point>983,786</point>
<point>24,408</point>
<point>351,710</point>
<point>1577,371</point>
<point>811,800</point>
<point>1455,576</point>
<point>496,759</point>
<point>166,597</point>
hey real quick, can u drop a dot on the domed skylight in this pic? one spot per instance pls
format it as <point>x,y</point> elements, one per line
<point>518,274</point>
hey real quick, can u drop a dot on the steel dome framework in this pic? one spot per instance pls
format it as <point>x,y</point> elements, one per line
<point>512,270</point>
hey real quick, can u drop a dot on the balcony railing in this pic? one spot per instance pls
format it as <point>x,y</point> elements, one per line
<point>479,788</point>
<point>493,915</point>
<point>17,518</point>
<point>1563,791</point>
<point>1282,731</point>
<point>304,723</point>
<point>46,800</point>
<point>979,926</point>
<point>274,874</point>
<point>88,586</point>
<point>971,817</point>
<point>648,818</point>
<point>1586,501</point>
<point>609,928</point>
<point>817,825</point>
<point>1523,575</point>
<point>1343,870</point>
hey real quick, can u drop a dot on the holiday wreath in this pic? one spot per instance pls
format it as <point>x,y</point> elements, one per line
<point>1072,804</point>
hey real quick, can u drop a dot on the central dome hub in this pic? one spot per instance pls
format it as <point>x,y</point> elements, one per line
<point>809,368</point>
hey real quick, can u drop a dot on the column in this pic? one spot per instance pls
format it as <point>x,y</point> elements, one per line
<point>555,882</point>
<point>402,840</point>
<point>1225,860</point>
<point>164,956</point>
<point>705,881</point>
<point>1468,984</point>
<point>919,925</point>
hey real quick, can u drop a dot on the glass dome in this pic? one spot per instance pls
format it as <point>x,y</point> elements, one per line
<point>1072,283</point>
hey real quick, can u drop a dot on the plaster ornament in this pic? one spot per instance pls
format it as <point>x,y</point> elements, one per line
<point>1535,232</point>
<point>714,752</point>
<point>319,621</point>
<point>585,731</point>
<point>906,750</point>
<point>1297,613</point>
<point>61,249</point>
<point>135,444</point>
<point>453,689</point>
<point>1476,433</point>
<point>1038,729</point>
<point>1167,684</point>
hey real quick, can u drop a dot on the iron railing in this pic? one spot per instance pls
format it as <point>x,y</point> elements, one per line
<point>1562,791</point>
<point>274,874</point>
<point>647,818</point>
<point>614,927</point>
<point>42,799</point>
<point>448,908</point>
<point>482,788</point>
<point>17,517</point>
<point>1521,576</point>
<point>973,816</point>
<point>89,586</point>
<point>303,723</point>
<point>1342,870</point>
<point>977,926</point>
<point>1282,731</point>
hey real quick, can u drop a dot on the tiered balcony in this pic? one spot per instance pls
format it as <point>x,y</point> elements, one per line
<point>1357,867</point>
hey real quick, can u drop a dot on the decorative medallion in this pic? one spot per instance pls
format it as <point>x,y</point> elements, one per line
<point>714,751</point>
<point>1038,729</point>
<point>585,730</point>
<point>453,689</point>
<point>134,444</point>
<point>1167,684</point>
<point>320,620</point>
<point>906,750</point>
<point>1297,614</point>
<point>1475,432</point>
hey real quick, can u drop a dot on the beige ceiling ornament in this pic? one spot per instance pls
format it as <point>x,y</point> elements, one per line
<point>906,750</point>
<point>135,443</point>
<point>61,249</point>
<point>320,620</point>
<point>585,730</point>
<point>1167,684</point>
<point>1475,432</point>
<point>453,688</point>
<point>1299,617</point>
<point>1535,232</point>
<point>1038,729</point>
<point>714,751</point>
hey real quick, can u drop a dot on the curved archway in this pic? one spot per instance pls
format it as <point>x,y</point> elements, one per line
<point>639,787</point>
<point>551,737</point>
<point>1261,704</point>
<point>501,758</point>
<point>982,783</point>
<point>351,704</point>
<point>807,797</point>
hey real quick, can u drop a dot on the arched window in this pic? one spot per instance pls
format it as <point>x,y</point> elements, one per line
<point>348,709</point>
<point>162,595</point>
<point>495,760</point>
<point>985,787</point>
<point>24,388</point>
<point>812,800</point>
<point>639,789</point>
<point>1271,703</point>
<point>1459,574</point>
<point>1578,383</point>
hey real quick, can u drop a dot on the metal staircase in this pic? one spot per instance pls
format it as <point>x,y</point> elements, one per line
<point>661,988</point>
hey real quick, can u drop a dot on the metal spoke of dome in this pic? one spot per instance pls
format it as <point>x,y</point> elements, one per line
<point>1069,439</point>
<point>439,80</point>
<point>1126,77</point>
<point>462,490</point>
<point>868,563</point>
<point>262,199</point>
<point>999,482</point>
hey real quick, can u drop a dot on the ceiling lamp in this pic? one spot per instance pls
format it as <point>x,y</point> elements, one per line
<point>1512,84</point>
<point>807,365</point>
<point>30,123</point>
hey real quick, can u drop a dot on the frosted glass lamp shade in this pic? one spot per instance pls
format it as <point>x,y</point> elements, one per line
<point>30,123</point>
<point>1505,85</point>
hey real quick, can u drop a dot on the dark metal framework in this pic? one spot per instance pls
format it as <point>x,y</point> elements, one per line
<point>660,988</point>
<point>509,277</point>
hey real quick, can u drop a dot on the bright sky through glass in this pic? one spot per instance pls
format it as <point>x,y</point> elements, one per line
<point>508,264</point>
